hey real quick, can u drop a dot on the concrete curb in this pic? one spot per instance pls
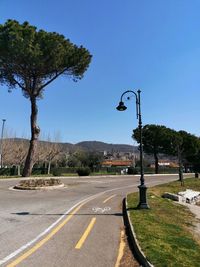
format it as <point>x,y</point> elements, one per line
<point>50,187</point>
<point>137,251</point>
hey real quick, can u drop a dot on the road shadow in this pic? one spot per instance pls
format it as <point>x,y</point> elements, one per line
<point>26,213</point>
<point>132,208</point>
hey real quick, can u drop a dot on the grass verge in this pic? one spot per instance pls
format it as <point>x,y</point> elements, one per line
<point>165,230</point>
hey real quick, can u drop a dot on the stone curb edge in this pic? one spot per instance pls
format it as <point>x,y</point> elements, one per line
<point>133,239</point>
<point>38,187</point>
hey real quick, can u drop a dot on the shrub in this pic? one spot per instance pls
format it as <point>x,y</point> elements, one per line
<point>8,171</point>
<point>5,171</point>
<point>38,171</point>
<point>57,172</point>
<point>83,171</point>
<point>132,170</point>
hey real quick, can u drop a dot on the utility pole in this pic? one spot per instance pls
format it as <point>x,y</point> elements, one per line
<point>1,148</point>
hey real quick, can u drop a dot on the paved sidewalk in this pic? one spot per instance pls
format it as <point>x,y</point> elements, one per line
<point>195,209</point>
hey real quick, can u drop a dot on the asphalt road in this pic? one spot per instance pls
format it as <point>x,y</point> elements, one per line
<point>78,225</point>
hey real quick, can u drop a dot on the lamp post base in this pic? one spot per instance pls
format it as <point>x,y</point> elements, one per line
<point>143,197</point>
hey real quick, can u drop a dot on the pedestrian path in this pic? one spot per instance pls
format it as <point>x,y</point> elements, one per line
<point>195,209</point>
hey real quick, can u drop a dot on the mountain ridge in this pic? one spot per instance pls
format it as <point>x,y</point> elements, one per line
<point>97,146</point>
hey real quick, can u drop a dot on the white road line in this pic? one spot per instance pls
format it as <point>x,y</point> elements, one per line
<point>16,252</point>
<point>22,248</point>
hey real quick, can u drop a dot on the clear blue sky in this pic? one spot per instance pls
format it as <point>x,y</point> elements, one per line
<point>152,45</point>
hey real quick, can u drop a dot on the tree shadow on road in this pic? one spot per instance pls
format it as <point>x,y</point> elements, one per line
<point>26,213</point>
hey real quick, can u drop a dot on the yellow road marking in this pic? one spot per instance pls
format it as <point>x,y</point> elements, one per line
<point>121,250</point>
<point>43,241</point>
<point>108,198</point>
<point>86,233</point>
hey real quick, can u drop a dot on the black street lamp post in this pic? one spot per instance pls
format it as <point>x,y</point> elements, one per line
<point>142,187</point>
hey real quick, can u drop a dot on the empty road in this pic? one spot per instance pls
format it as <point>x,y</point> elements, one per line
<point>78,225</point>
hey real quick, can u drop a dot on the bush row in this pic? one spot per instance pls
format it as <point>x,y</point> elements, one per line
<point>84,170</point>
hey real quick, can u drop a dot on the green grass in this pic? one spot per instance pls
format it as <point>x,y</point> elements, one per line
<point>164,231</point>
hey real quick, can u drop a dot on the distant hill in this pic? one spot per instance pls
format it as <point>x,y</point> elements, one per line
<point>101,146</point>
<point>89,146</point>
<point>98,146</point>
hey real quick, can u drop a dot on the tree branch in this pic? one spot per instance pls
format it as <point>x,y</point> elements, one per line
<point>23,88</point>
<point>51,80</point>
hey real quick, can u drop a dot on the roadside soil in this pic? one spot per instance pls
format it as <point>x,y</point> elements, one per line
<point>128,259</point>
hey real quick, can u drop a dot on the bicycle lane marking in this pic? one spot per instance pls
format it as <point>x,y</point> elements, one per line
<point>44,240</point>
<point>54,231</point>
<point>46,231</point>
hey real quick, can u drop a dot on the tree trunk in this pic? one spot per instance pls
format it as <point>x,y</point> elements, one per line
<point>18,170</point>
<point>180,167</point>
<point>35,130</point>
<point>156,163</point>
<point>49,167</point>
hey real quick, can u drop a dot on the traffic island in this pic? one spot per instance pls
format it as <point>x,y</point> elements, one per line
<point>37,184</point>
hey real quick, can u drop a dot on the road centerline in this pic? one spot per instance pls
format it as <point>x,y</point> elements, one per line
<point>44,240</point>
<point>85,234</point>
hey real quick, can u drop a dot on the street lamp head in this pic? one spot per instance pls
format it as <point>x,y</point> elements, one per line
<point>121,106</point>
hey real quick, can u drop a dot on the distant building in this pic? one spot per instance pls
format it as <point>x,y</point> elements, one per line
<point>166,163</point>
<point>117,155</point>
<point>117,163</point>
